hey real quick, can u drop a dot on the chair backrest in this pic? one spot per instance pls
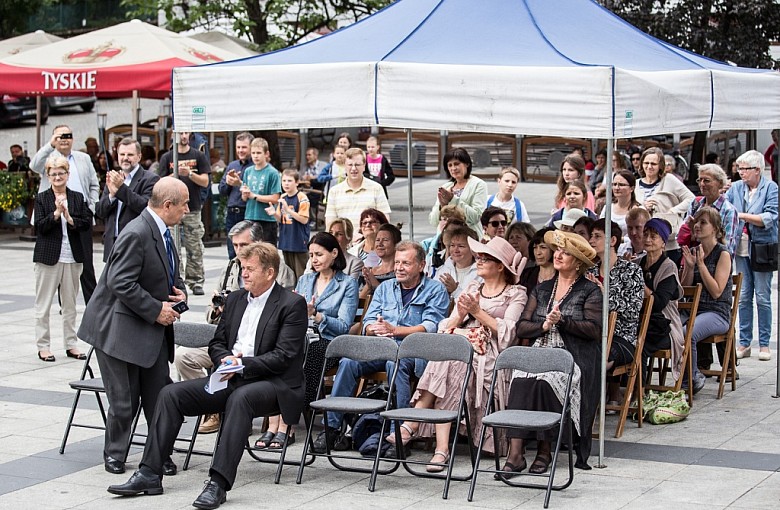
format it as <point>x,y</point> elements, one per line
<point>644,323</point>
<point>611,323</point>
<point>690,303</point>
<point>193,334</point>
<point>436,347</point>
<point>535,360</point>
<point>736,288</point>
<point>362,307</point>
<point>362,348</point>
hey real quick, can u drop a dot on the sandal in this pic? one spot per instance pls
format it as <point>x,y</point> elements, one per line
<point>436,468</point>
<point>540,464</point>
<point>404,440</point>
<point>510,470</point>
<point>264,440</point>
<point>277,443</point>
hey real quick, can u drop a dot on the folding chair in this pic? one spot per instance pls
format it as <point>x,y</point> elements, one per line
<point>690,302</point>
<point>533,360</point>
<point>729,361</point>
<point>90,384</point>
<point>634,372</point>
<point>431,347</point>
<point>357,348</point>
<point>193,335</point>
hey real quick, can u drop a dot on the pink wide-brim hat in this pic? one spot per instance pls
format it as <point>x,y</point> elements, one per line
<point>501,250</point>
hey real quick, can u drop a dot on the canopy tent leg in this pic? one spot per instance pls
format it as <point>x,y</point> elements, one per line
<point>605,307</point>
<point>410,185</point>
<point>776,168</point>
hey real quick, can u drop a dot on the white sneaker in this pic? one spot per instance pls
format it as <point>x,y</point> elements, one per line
<point>764,354</point>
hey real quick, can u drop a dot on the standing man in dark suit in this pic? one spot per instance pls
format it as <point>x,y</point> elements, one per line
<point>126,193</point>
<point>130,321</point>
<point>82,178</point>
<point>263,328</point>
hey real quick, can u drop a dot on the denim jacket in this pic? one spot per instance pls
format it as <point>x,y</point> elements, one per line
<point>337,304</point>
<point>427,307</point>
<point>764,204</point>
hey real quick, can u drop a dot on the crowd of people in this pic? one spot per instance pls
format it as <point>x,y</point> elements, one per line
<point>487,273</point>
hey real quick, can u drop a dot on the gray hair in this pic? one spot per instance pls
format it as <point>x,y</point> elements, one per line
<point>752,158</point>
<point>715,171</point>
<point>255,230</point>
<point>411,245</point>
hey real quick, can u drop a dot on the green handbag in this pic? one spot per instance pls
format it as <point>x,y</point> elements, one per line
<point>665,407</point>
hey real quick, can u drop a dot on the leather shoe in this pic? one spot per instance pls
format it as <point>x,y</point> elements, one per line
<point>138,484</point>
<point>212,496</point>
<point>113,466</point>
<point>169,468</point>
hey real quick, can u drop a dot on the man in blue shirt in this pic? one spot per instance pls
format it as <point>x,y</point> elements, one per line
<point>230,185</point>
<point>410,303</point>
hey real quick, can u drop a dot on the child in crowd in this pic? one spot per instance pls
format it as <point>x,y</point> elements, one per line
<point>292,213</point>
<point>336,171</point>
<point>377,167</point>
<point>261,189</point>
<point>508,178</point>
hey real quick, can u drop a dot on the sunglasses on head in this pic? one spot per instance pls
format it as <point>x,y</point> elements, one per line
<point>497,223</point>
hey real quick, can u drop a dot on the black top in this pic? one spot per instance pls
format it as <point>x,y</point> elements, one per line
<point>197,162</point>
<point>708,303</point>
<point>48,240</point>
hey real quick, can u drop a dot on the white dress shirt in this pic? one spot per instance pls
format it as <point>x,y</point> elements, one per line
<point>247,331</point>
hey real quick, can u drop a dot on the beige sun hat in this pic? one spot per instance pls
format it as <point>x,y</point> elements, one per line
<point>501,250</point>
<point>573,244</point>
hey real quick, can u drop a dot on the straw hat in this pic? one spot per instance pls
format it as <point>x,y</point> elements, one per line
<point>573,244</point>
<point>569,218</point>
<point>501,250</point>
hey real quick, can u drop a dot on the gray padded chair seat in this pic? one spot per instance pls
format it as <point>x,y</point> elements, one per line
<point>425,415</point>
<point>95,384</point>
<point>529,420</point>
<point>349,405</point>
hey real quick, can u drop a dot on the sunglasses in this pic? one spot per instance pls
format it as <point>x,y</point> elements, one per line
<point>486,258</point>
<point>497,223</point>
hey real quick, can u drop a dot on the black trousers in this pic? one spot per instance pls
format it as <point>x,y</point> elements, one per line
<point>127,387</point>
<point>241,402</point>
<point>88,281</point>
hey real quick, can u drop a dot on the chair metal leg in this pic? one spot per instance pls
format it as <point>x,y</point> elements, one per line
<point>398,446</point>
<point>70,421</point>
<point>473,484</point>
<point>191,447</point>
<point>306,444</point>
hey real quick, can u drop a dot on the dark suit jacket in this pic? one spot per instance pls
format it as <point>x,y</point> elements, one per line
<point>48,241</point>
<point>279,345</point>
<point>120,319</point>
<point>134,197</point>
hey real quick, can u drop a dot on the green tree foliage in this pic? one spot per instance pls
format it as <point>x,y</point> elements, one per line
<point>14,15</point>
<point>271,24</point>
<point>737,31</point>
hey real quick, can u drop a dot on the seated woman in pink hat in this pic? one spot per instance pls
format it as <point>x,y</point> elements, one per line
<point>495,303</point>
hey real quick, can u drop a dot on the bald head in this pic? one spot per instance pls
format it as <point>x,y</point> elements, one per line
<point>170,200</point>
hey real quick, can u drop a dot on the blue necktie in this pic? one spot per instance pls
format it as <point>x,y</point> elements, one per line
<point>169,250</point>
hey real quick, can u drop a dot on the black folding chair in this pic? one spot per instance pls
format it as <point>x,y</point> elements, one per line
<point>357,348</point>
<point>533,360</point>
<point>431,347</point>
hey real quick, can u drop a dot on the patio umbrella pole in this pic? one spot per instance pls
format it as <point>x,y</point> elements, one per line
<point>175,149</point>
<point>605,307</point>
<point>135,115</point>
<point>410,184</point>
<point>777,326</point>
<point>38,121</point>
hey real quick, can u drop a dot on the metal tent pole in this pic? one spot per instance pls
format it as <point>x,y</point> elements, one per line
<point>410,186</point>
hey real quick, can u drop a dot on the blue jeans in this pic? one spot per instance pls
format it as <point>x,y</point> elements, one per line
<point>231,218</point>
<point>707,324</point>
<point>761,285</point>
<point>350,371</point>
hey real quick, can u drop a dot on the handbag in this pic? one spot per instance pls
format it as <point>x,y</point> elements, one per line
<point>479,337</point>
<point>763,257</point>
<point>665,407</point>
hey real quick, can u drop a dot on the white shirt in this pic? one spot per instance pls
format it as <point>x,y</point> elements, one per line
<point>247,331</point>
<point>66,254</point>
<point>128,180</point>
<point>74,182</point>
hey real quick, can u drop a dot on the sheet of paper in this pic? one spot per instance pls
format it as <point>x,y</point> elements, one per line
<point>215,384</point>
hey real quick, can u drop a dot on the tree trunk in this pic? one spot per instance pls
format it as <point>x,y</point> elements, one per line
<point>259,30</point>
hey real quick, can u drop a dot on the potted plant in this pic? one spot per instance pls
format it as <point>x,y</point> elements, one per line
<point>14,194</point>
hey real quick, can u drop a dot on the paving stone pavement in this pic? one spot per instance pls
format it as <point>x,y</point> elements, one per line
<point>725,455</point>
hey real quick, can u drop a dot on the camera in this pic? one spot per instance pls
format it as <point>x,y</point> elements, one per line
<point>220,299</point>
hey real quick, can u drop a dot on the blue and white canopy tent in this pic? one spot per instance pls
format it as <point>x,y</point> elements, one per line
<point>532,67</point>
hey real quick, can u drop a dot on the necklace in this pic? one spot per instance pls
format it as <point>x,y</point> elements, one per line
<point>481,293</point>
<point>551,304</point>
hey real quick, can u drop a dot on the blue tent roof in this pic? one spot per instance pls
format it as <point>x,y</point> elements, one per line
<point>491,32</point>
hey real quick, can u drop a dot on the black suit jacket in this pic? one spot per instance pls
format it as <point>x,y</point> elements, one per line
<point>134,198</point>
<point>279,345</point>
<point>48,241</point>
<point>121,317</point>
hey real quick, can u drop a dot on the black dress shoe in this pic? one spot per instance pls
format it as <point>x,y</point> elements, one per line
<point>138,484</point>
<point>113,466</point>
<point>212,496</point>
<point>169,468</point>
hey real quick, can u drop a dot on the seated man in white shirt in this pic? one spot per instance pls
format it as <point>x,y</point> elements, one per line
<point>263,328</point>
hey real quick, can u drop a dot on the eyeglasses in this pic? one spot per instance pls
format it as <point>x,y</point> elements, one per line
<point>745,169</point>
<point>497,223</point>
<point>636,159</point>
<point>367,223</point>
<point>57,175</point>
<point>619,185</point>
<point>486,258</point>
<point>703,180</point>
